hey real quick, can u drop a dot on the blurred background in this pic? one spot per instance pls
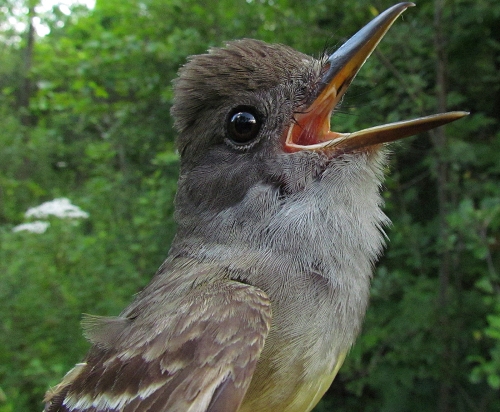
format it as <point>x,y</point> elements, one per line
<point>85,93</point>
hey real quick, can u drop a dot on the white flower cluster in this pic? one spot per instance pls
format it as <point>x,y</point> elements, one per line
<point>60,208</point>
<point>37,226</point>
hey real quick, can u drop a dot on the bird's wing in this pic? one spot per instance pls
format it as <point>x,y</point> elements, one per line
<point>199,356</point>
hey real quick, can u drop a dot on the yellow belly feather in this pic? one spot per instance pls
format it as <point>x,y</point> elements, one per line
<point>303,399</point>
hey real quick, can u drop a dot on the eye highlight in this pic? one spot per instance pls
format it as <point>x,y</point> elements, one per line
<point>243,125</point>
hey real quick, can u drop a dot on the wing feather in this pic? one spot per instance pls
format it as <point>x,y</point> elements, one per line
<point>196,354</point>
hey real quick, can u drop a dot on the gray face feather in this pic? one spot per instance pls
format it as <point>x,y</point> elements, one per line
<point>303,227</point>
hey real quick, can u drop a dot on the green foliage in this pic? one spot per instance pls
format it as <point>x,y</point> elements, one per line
<point>97,129</point>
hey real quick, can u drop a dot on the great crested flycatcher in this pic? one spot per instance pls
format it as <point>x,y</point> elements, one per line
<point>279,225</point>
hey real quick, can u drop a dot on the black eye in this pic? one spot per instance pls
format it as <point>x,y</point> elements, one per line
<point>243,125</point>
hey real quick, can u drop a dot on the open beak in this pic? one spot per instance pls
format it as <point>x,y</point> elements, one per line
<point>311,129</point>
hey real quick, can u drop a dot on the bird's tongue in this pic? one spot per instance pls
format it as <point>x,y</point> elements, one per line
<point>311,128</point>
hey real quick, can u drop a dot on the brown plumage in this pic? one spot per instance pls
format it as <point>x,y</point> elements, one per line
<point>279,225</point>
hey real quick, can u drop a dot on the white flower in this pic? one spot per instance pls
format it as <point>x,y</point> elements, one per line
<point>37,226</point>
<point>61,208</point>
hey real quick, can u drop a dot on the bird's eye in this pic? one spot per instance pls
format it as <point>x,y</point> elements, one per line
<point>243,125</point>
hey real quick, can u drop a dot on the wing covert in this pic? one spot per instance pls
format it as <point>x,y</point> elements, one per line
<point>197,354</point>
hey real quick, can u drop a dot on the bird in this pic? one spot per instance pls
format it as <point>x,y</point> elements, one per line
<point>279,225</point>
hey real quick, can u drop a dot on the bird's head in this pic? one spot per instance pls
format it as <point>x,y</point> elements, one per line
<point>253,114</point>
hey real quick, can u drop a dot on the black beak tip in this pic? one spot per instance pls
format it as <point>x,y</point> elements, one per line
<point>361,44</point>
